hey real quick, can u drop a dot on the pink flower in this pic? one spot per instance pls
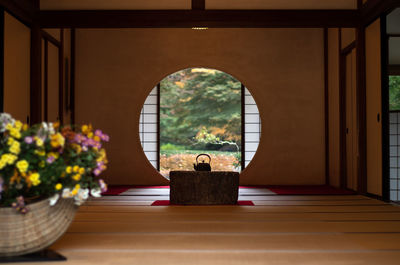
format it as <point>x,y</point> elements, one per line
<point>98,133</point>
<point>105,138</point>
<point>103,185</point>
<point>50,159</point>
<point>102,135</point>
<point>28,139</point>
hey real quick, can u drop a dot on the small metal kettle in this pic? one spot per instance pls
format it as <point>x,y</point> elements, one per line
<point>202,166</point>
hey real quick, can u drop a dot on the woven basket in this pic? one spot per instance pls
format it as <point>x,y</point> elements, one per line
<point>22,234</point>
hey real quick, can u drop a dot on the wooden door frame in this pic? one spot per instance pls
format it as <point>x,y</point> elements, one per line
<point>46,37</point>
<point>343,110</point>
<point>385,108</point>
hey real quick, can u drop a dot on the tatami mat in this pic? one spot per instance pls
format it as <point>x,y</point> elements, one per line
<point>283,230</point>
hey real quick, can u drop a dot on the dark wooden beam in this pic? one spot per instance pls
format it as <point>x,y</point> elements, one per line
<point>36,76</point>
<point>1,59</point>
<point>362,110</point>
<point>373,9</point>
<point>25,10</point>
<point>385,110</point>
<point>348,48</point>
<point>198,4</point>
<point>72,77</point>
<point>50,38</point>
<point>204,18</point>
<point>394,69</point>
<point>326,85</point>
<point>359,4</point>
<point>61,78</point>
<point>46,80</point>
<point>342,114</point>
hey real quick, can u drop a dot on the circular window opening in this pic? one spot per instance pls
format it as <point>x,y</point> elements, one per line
<point>199,111</point>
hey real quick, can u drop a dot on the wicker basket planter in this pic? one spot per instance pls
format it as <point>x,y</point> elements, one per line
<point>38,229</point>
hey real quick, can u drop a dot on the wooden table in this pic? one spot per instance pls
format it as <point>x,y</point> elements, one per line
<point>204,187</point>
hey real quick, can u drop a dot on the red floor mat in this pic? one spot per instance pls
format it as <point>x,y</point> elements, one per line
<point>278,189</point>
<point>166,203</point>
<point>309,190</point>
<point>118,189</point>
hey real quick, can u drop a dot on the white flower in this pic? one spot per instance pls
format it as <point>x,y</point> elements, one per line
<point>45,130</point>
<point>96,192</point>
<point>5,119</point>
<point>82,196</point>
<point>83,193</point>
<point>53,200</point>
<point>66,193</point>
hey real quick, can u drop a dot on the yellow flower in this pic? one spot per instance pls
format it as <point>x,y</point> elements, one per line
<point>15,148</point>
<point>68,170</point>
<point>81,171</point>
<point>10,141</point>
<point>77,148</point>
<point>9,158</point>
<point>58,186</point>
<point>39,142</point>
<point>102,156</point>
<point>25,127</point>
<point>57,140</point>
<point>90,135</point>
<point>40,153</point>
<point>9,126</point>
<point>76,177</point>
<point>35,179</point>
<point>42,164</point>
<point>53,154</point>
<point>18,125</point>
<point>96,138</point>
<point>15,133</point>
<point>76,189</point>
<point>86,129</point>
<point>22,166</point>
<point>76,169</point>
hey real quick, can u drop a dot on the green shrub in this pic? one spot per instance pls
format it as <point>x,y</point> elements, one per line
<point>171,147</point>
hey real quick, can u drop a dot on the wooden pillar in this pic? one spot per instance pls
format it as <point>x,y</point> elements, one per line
<point>361,109</point>
<point>36,76</point>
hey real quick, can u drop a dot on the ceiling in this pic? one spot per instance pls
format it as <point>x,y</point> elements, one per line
<point>186,4</point>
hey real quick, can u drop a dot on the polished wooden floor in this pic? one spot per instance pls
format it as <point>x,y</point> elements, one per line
<point>297,230</point>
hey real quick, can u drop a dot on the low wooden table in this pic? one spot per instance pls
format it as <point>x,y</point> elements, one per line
<point>204,187</point>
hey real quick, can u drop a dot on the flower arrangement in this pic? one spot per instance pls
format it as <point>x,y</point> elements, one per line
<point>49,161</point>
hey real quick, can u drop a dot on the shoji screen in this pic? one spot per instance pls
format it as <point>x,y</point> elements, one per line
<point>148,127</point>
<point>394,135</point>
<point>252,127</point>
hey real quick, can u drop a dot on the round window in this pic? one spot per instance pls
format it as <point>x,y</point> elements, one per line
<point>199,111</point>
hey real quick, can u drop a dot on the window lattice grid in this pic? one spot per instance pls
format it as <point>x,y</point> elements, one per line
<point>252,127</point>
<point>394,155</point>
<point>148,127</point>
